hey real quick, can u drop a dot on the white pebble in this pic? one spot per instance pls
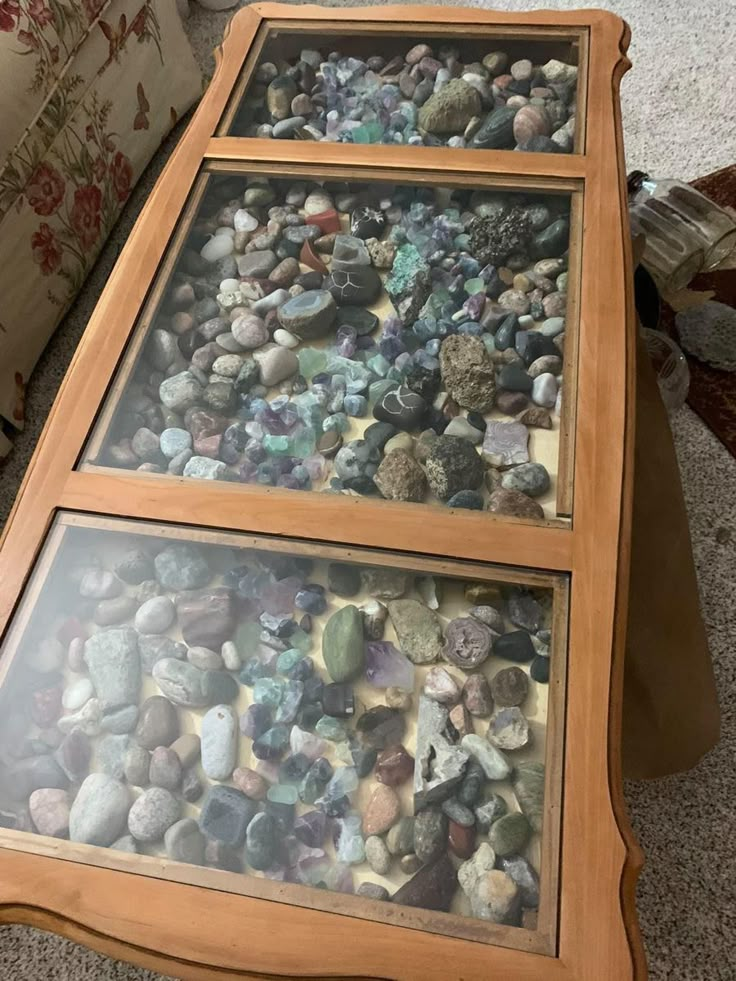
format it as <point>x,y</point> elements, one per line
<point>77,694</point>
<point>526,322</point>
<point>225,230</point>
<point>229,285</point>
<point>552,326</point>
<point>285,338</point>
<point>244,221</point>
<point>217,248</point>
<point>228,365</point>
<point>544,390</point>
<point>230,656</point>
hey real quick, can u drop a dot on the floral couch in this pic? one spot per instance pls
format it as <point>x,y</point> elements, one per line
<point>88,89</point>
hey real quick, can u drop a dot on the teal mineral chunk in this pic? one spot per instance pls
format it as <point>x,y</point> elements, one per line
<point>288,660</point>
<point>379,365</point>
<point>268,691</point>
<point>301,640</point>
<point>330,728</point>
<point>311,361</point>
<point>368,133</point>
<point>350,845</point>
<point>476,285</point>
<point>343,645</point>
<point>282,793</point>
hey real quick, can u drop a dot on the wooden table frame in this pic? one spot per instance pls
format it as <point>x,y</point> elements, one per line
<point>179,928</point>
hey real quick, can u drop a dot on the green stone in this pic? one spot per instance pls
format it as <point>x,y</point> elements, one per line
<point>368,133</point>
<point>436,300</point>
<point>489,342</point>
<point>276,445</point>
<point>342,644</point>
<point>528,782</point>
<point>408,263</point>
<point>311,361</point>
<point>378,389</point>
<point>462,242</point>
<point>331,728</point>
<point>268,691</point>
<point>473,286</point>
<point>301,640</point>
<point>247,638</point>
<point>288,660</point>
<point>509,835</point>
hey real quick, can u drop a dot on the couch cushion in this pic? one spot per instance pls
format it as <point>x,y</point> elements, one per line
<point>130,79</point>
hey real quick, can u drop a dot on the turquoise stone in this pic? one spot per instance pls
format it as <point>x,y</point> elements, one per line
<point>462,242</point>
<point>368,133</point>
<point>276,445</point>
<point>408,263</point>
<point>330,728</point>
<point>268,691</point>
<point>288,660</point>
<point>311,361</point>
<point>395,374</point>
<point>489,342</point>
<point>282,793</point>
<point>338,422</point>
<point>301,640</point>
<point>379,365</point>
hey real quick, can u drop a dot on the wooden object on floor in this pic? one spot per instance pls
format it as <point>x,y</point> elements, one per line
<point>190,932</point>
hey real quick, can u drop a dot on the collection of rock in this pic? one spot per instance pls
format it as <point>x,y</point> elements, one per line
<point>278,734</point>
<point>411,357</point>
<point>427,97</point>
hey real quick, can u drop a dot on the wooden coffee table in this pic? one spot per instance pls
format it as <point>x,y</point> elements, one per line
<point>370,729</point>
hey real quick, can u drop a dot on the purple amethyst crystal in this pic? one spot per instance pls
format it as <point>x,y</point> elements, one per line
<point>387,667</point>
<point>310,828</point>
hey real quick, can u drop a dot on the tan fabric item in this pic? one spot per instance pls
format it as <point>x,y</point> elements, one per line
<point>96,85</point>
<point>670,707</point>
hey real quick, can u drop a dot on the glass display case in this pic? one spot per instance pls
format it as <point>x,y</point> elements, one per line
<point>356,724</point>
<point>493,91</point>
<point>413,342</point>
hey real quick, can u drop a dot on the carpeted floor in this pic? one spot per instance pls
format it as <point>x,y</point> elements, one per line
<point>680,120</point>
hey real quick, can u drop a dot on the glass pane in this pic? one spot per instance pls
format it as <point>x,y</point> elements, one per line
<point>403,341</point>
<point>491,93</point>
<point>271,710</point>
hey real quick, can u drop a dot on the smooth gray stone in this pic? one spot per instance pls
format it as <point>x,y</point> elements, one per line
<point>98,814</point>
<point>114,666</point>
<point>220,738</point>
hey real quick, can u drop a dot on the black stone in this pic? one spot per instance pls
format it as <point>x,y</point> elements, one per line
<point>338,700</point>
<point>430,834</point>
<point>366,222</point>
<point>294,768</point>
<point>360,286</point>
<point>470,500</point>
<point>516,645</point>
<point>311,280</point>
<point>530,344</point>
<point>541,144</point>
<point>513,378</point>
<point>381,726</point>
<point>552,241</point>
<point>525,877</point>
<point>261,841</point>
<point>309,716</point>
<point>432,887</point>
<point>539,669</point>
<point>477,421</point>
<point>343,579</point>
<point>469,791</point>
<point>401,407</point>
<point>226,814</point>
<point>364,759</point>
<point>379,433</point>
<point>506,333</point>
<point>496,131</point>
<point>312,689</point>
<point>362,321</point>
<point>424,379</point>
<point>282,814</point>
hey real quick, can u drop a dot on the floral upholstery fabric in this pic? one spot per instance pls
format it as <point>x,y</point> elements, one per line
<point>88,89</point>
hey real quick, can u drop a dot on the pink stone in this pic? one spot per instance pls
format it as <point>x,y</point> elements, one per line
<point>50,812</point>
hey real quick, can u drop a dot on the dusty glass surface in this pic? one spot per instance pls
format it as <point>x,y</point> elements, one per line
<point>489,93</point>
<point>354,727</point>
<point>401,340</point>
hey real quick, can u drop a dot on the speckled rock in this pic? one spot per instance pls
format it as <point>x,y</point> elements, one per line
<point>99,811</point>
<point>152,814</point>
<point>418,629</point>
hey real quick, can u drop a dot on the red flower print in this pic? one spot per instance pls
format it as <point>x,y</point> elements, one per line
<point>85,215</point>
<point>99,169</point>
<point>9,13</point>
<point>89,132</point>
<point>25,37</point>
<point>139,24</point>
<point>39,12</point>
<point>122,175</point>
<point>45,190</point>
<point>92,8</point>
<point>46,250</point>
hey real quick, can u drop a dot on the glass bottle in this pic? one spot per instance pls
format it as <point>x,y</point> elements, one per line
<point>685,231</point>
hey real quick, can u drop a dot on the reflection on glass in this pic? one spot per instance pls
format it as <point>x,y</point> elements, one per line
<point>361,728</point>
<point>493,95</point>
<point>398,341</point>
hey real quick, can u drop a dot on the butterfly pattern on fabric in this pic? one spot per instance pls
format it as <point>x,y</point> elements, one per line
<point>141,117</point>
